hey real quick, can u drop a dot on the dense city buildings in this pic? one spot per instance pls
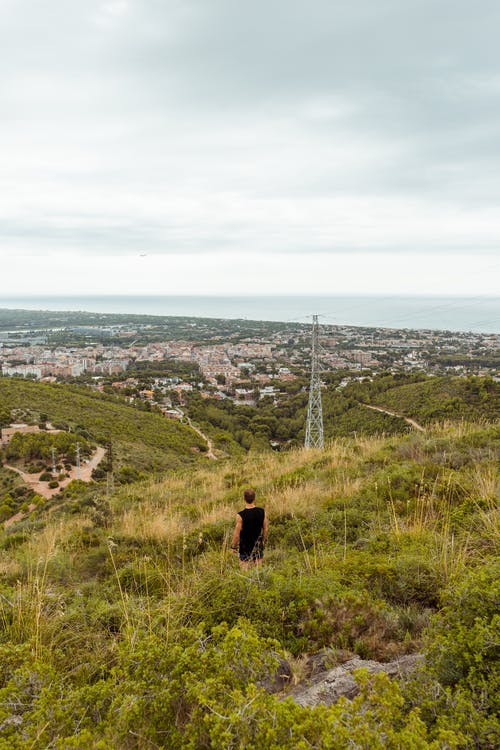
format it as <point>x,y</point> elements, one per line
<point>235,359</point>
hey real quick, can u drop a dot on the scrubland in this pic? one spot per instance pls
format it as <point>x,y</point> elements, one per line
<point>125,621</point>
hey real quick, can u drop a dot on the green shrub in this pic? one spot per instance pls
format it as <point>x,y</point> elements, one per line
<point>460,687</point>
<point>394,574</point>
<point>464,646</point>
<point>142,577</point>
<point>200,691</point>
<point>34,468</point>
<point>13,540</point>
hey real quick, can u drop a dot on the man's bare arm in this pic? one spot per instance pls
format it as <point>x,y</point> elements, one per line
<point>237,532</point>
<point>265,527</point>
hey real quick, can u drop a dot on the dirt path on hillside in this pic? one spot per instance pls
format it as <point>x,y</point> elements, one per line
<point>411,422</point>
<point>19,516</point>
<point>210,446</point>
<point>87,468</point>
<point>42,488</point>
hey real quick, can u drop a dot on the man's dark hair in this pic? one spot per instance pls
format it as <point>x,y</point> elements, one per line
<point>249,496</point>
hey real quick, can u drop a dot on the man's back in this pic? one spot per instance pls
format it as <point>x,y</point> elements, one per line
<point>250,532</point>
<point>253,522</point>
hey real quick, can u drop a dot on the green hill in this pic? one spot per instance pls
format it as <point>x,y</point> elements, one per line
<point>142,440</point>
<point>128,623</point>
<point>426,399</point>
<point>435,399</point>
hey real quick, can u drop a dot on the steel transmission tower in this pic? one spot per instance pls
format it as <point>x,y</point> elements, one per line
<point>314,426</point>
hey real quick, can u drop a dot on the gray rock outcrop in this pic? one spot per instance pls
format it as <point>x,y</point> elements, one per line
<point>327,687</point>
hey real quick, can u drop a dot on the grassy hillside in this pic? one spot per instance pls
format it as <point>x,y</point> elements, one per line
<point>142,440</point>
<point>433,399</point>
<point>128,623</point>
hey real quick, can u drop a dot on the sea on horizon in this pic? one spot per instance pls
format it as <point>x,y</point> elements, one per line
<point>474,314</point>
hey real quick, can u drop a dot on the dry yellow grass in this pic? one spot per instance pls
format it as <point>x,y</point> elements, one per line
<point>44,545</point>
<point>150,522</point>
<point>10,568</point>
<point>486,480</point>
<point>180,504</point>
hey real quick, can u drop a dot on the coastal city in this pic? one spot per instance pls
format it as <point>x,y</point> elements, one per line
<point>232,359</point>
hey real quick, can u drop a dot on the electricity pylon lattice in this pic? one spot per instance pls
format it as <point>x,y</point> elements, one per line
<point>314,426</point>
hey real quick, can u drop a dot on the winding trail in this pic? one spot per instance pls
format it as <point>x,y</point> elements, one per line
<point>210,446</point>
<point>411,422</point>
<point>42,488</point>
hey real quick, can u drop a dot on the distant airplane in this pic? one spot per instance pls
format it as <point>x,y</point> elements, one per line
<point>142,255</point>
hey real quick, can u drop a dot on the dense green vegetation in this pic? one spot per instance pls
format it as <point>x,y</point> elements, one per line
<point>426,399</point>
<point>141,440</point>
<point>432,399</point>
<point>37,454</point>
<point>127,623</point>
<point>32,446</point>
<point>170,368</point>
<point>14,494</point>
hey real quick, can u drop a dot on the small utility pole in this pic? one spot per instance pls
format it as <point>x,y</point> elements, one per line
<point>110,483</point>
<point>314,426</point>
<point>78,460</point>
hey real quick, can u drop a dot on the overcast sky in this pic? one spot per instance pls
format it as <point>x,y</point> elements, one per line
<point>222,146</point>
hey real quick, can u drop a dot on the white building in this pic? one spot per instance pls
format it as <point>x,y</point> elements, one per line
<point>23,370</point>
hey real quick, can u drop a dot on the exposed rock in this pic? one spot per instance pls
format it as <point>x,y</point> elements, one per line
<point>278,681</point>
<point>329,686</point>
<point>11,721</point>
<point>326,659</point>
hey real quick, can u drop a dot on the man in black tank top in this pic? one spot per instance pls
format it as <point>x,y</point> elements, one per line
<point>250,532</point>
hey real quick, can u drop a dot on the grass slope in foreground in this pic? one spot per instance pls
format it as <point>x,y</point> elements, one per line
<point>142,440</point>
<point>130,625</point>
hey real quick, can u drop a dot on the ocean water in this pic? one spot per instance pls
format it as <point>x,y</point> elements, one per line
<point>477,314</point>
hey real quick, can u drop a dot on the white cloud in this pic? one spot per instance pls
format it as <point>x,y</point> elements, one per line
<point>261,129</point>
<point>226,273</point>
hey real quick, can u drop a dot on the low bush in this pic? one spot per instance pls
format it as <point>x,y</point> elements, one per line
<point>200,691</point>
<point>398,577</point>
<point>460,686</point>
